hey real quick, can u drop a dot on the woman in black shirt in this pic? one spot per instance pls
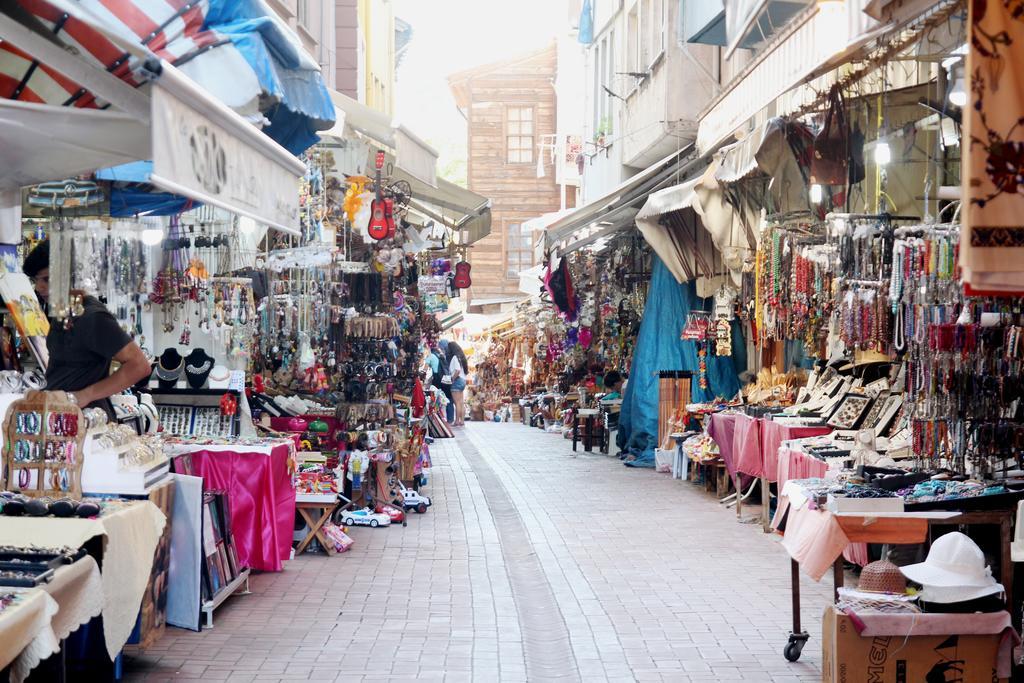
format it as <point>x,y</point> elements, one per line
<point>80,356</point>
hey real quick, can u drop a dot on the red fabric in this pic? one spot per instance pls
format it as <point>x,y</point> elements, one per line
<point>419,399</point>
<point>262,502</point>
<point>746,448</point>
<point>722,430</point>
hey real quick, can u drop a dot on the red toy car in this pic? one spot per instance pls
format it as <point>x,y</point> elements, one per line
<point>396,514</point>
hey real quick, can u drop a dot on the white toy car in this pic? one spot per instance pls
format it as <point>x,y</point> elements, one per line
<point>412,500</point>
<point>365,517</point>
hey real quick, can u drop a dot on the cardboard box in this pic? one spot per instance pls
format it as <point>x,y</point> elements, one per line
<point>848,657</point>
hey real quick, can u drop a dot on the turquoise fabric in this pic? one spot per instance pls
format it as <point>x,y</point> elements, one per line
<point>658,349</point>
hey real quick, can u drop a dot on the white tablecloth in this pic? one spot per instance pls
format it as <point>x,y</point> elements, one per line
<point>131,535</point>
<point>26,632</point>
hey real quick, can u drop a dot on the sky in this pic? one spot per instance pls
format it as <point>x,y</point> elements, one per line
<point>452,35</point>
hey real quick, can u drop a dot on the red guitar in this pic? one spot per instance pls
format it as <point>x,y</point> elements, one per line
<point>378,227</point>
<point>389,216</point>
<point>462,278</point>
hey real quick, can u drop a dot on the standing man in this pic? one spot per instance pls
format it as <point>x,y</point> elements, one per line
<point>81,356</point>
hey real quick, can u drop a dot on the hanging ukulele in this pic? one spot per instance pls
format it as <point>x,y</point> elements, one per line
<point>378,227</point>
<point>462,277</point>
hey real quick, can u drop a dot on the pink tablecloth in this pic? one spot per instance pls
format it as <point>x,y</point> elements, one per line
<point>722,430</point>
<point>750,445</point>
<point>815,540</point>
<point>797,465</point>
<point>772,436</point>
<point>262,501</point>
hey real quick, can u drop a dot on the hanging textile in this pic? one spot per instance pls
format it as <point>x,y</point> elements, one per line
<point>992,241</point>
<point>659,348</point>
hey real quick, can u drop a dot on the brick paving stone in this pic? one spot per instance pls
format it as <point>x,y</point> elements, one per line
<point>646,579</point>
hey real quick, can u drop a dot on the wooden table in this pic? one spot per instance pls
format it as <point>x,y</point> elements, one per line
<point>892,528</point>
<point>316,521</point>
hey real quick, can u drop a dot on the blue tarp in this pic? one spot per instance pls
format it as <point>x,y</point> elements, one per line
<point>132,195</point>
<point>658,349</point>
<point>284,70</point>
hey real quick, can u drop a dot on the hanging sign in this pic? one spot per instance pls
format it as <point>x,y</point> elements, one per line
<point>206,152</point>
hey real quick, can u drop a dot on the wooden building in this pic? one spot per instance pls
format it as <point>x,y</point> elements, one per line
<point>510,107</point>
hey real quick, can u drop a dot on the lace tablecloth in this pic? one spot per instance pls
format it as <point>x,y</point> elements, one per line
<point>131,532</point>
<point>26,631</point>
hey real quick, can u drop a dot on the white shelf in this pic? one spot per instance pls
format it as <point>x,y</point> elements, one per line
<point>223,594</point>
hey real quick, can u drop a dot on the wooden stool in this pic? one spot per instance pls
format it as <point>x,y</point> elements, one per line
<point>722,478</point>
<point>326,509</point>
<point>593,434</point>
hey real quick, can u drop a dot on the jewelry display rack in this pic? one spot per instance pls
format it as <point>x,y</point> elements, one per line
<point>195,412</point>
<point>51,430</point>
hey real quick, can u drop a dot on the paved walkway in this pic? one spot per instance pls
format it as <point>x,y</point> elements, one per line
<point>531,566</point>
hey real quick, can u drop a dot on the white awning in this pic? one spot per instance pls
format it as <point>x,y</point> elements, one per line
<point>543,222</point>
<point>365,121</point>
<point>42,142</point>
<point>675,240</point>
<point>416,157</point>
<point>200,148</point>
<point>615,210</point>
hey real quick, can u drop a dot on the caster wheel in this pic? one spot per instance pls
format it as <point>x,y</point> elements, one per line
<point>421,508</point>
<point>793,650</point>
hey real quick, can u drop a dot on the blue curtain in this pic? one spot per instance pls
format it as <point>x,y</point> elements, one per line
<point>659,348</point>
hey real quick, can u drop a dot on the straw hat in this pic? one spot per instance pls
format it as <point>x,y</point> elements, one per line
<point>882,577</point>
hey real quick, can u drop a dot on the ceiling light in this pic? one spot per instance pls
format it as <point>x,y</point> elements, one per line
<point>957,94</point>
<point>816,193</point>
<point>883,154</point>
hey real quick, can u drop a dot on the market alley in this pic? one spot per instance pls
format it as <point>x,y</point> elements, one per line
<point>530,565</point>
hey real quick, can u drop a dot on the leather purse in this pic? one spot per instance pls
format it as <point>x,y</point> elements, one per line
<point>830,162</point>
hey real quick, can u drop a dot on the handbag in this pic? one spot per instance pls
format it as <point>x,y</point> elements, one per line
<point>831,159</point>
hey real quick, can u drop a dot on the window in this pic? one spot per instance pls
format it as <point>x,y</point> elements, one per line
<point>519,135</point>
<point>604,73</point>
<point>518,250</point>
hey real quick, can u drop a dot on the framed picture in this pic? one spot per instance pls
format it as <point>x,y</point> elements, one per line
<point>891,417</point>
<point>850,411</point>
<point>874,412</point>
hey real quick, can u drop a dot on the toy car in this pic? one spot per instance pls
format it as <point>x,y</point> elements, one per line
<point>412,500</point>
<point>366,517</point>
<point>396,514</point>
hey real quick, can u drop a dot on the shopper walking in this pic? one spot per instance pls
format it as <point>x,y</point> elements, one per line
<point>457,369</point>
<point>443,380</point>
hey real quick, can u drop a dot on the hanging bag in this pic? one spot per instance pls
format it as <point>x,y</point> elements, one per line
<point>831,160</point>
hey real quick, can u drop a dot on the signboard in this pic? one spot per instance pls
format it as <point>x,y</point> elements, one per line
<point>196,156</point>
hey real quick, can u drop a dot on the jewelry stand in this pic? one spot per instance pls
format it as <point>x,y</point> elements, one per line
<point>53,430</point>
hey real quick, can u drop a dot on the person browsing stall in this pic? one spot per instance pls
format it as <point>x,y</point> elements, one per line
<point>457,369</point>
<point>613,384</point>
<point>81,354</point>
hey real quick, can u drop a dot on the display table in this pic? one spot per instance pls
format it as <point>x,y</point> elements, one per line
<point>794,464</point>
<point>257,478</point>
<point>77,590</point>
<point>26,632</point>
<point>750,446</point>
<point>130,531</point>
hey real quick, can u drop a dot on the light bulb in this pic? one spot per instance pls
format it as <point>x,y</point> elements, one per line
<point>816,193</point>
<point>152,236</point>
<point>958,96</point>
<point>883,154</point>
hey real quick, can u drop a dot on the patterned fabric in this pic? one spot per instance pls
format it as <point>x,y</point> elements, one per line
<point>992,241</point>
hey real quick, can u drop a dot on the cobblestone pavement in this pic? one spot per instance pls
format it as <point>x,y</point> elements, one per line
<point>532,565</point>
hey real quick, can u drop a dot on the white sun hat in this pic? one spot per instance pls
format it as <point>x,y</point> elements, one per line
<point>945,595</point>
<point>954,561</point>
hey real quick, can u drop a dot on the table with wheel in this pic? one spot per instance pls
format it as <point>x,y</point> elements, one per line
<point>815,540</point>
